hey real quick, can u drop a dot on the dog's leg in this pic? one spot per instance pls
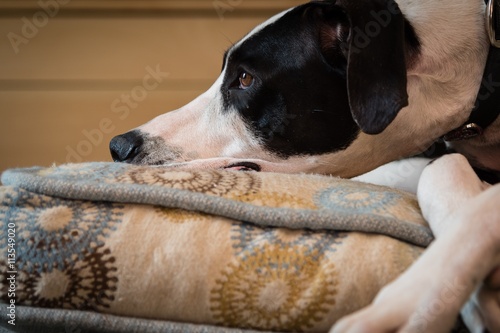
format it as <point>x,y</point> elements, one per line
<point>457,182</point>
<point>465,219</point>
<point>403,174</point>
<point>482,311</point>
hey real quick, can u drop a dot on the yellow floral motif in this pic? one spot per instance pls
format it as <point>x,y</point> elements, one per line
<point>275,288</point>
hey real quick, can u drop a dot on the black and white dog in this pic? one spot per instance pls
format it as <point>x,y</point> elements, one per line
<point>343,87</point>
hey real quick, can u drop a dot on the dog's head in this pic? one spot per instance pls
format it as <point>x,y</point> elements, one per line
<point>313,89</point>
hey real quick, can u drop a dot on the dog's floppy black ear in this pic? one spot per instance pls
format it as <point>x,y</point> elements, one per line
<point>376,65</point>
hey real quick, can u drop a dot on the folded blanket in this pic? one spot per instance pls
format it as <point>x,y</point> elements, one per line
<point>239,249</point>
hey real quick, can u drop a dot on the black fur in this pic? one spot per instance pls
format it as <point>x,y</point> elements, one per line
<point>298,103</point>
<point>310,78</point>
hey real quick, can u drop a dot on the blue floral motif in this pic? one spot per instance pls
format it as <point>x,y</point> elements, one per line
<point>354,199</point>
<point>247,238</point>
<point>53,232</point>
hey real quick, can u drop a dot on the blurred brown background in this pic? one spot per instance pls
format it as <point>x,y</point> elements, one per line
<point>75,73</point>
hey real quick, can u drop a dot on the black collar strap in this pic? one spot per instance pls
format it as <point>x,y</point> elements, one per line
<point>487,106</point>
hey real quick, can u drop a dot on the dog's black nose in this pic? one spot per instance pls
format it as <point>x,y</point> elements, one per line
<point>126,146</point>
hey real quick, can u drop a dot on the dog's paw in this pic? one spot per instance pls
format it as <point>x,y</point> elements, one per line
<point>463,261</point>
<point>410,306</point>
<point>482,311</point>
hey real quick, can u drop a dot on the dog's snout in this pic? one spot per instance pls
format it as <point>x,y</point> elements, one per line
<point>126,146</point>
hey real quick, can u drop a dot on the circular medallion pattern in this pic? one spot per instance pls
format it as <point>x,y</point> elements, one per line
<point>212,182</point>
<point>274,288</point>
<point>352,198</point>
<point>46,224</point>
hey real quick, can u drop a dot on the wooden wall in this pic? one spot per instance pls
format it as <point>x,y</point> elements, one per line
<point>67,67</point>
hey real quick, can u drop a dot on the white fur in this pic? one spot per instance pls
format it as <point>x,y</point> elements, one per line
<point>201,130</point>
<point>441,95</point>
<point>403,174</point>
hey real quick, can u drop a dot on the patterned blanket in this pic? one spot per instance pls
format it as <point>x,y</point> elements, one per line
<point>237,249</point>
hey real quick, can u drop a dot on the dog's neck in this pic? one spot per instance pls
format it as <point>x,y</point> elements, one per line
<point>487,107</point>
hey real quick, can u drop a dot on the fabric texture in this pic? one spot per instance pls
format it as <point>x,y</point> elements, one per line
<point>262,251</point>
<point>40,320</point>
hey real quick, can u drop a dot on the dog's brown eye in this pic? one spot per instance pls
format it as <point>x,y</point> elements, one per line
<point>246,80</point>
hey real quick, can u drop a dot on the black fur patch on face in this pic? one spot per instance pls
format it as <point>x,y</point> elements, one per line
<point>298,101</point>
